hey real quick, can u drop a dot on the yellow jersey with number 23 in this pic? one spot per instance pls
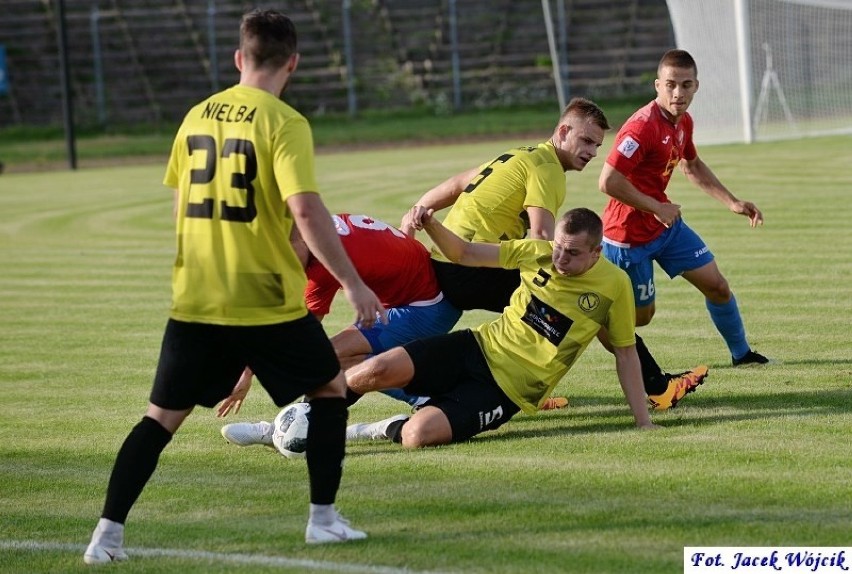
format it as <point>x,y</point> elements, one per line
<point>237,157</point>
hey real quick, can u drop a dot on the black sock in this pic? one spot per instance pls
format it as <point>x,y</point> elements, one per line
<point>135,463</point>
<point>326,448</point>
<point>352,397</point>
<point>655,380</point>
<point>394,431</point>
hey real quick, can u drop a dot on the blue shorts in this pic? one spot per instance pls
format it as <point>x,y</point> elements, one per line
<point>677,250</point>
<point>411,322</point>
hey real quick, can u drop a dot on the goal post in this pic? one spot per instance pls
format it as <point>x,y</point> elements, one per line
<point>768,69</point>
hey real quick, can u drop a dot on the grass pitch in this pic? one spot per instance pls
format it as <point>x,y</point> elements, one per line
<point>756,457</point>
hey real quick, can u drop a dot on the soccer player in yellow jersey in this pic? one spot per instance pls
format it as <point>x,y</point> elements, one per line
<point>242,168</point>
<point>478,379</point>
<point>515,195</point>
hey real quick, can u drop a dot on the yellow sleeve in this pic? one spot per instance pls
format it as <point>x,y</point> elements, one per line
<point>294,158</point>
<point>545,188</point>
<point>621,318</point>
<point>172,177</point>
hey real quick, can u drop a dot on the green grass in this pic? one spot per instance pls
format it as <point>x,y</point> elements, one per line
<point>756,457</point>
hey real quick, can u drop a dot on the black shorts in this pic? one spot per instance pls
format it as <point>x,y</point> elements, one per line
<point>488,288</point>
<point>452,370</point>
<point>200,363</point>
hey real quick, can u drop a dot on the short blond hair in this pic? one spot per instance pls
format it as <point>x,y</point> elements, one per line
<point>586,109</point>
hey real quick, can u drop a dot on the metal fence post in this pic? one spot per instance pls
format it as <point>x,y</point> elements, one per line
<point>97,62</point>
<point>65,80</point>
<point>554,53</point>
<point>454,48</point>
<point>211,45</point>
<point>351,98</point>
<point>562,22</point>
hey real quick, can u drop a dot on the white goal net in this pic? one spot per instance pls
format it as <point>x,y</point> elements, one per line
<point>768,69</point>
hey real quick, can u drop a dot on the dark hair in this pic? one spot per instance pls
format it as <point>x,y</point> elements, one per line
<point>582,220</point>
<point>677,59</point>
<point>586,109</point>
<point>267,38</point>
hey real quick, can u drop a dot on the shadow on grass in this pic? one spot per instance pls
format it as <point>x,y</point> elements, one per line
<point>780,362</point>
<point>594,415</point>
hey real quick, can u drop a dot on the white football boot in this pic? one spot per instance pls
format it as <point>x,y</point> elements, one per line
<point>247,434</point>
<point>107,543</point>
<point>336,531</point>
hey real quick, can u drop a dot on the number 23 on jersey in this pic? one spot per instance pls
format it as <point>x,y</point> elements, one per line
<point>238,179</point>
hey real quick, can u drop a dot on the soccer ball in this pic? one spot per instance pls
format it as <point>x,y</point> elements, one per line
<point>290,432</point>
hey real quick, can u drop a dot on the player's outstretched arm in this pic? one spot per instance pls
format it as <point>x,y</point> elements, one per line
<point>630,377</point>
<point>700,174</point>
<point>317,229</point>
<point>457,249</point>
<point>542,223</point>
<point>439,197</point>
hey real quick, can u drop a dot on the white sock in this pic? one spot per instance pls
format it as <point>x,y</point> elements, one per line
<point>323,514</point>
<point>109,533</point>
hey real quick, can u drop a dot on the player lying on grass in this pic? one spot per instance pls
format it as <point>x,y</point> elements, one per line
<point>398,270</point>
<point>480,378</point>
<point>516,195</point>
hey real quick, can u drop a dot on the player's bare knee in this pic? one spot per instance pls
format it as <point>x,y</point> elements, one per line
<point>410,434</point>
<point>415,434</point>
<point>719,292</point>
<point>427,427</point>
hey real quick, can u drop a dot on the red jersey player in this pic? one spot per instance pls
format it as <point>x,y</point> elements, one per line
<point>641,224</point>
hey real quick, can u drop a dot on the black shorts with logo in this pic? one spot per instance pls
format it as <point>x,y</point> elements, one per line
<point>200,363</point>
<point>452,370</point>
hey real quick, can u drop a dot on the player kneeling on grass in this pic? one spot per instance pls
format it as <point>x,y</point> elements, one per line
<point>480,378</point>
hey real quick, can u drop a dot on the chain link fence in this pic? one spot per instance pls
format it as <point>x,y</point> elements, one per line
<point>143,61</point>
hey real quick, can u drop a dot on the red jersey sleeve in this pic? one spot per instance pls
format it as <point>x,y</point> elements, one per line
<point>629,150</point>
<point>320,289</point>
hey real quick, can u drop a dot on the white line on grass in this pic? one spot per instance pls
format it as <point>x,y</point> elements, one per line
<point>257,559</point>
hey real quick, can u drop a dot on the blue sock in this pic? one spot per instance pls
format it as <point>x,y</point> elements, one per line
<point>727,319</point>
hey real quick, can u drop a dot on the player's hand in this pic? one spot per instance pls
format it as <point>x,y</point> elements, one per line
<point>750,210</point>
<point>427,217</point>
<point>413,220</point>
<point>235,400</point>
<point>668,213</point>
<point>367,306</point>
